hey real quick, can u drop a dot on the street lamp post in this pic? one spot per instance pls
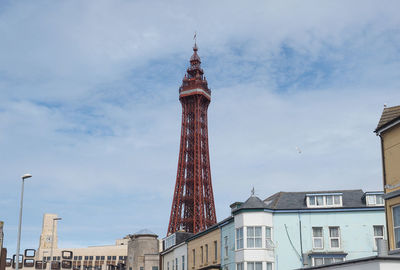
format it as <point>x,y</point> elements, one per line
<point>52,242</point>
<point>25,176</point>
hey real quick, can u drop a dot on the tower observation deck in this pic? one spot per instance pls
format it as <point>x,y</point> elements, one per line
<point>193,208</point>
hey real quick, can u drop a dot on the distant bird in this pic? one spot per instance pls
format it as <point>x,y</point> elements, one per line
<point>298,149</point>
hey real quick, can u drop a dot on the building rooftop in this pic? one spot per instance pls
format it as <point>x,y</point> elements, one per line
<point>253,202</point>
<point>297,200</point>
<point>389,115</point>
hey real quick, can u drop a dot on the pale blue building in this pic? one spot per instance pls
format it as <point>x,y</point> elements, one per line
<point>227,245</point>
<point>315,228</point>
<point>291,230</point>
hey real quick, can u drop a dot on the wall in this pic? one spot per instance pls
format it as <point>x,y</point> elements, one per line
<point>254,218</point>
<point>139,249</point>
<point>174,253</point>
<point>356,231</point>
<point>207,238</point>
<point>228,260</point>
<point>391,157</point>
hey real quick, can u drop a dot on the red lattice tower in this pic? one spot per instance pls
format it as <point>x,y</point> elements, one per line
<point>193,208</point>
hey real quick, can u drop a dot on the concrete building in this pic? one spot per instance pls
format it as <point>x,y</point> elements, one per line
<point>94,257</point>
<point>143,251</point>
<point>388,130</point>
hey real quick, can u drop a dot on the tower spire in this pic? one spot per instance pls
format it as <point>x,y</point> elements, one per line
<point>193,208</point>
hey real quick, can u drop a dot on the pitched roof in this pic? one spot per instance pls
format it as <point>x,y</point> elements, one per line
<point>389,115</point>
<point>253,202</point>
<point>297,200</point>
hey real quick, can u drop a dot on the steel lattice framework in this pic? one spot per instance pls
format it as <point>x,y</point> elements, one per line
<point>193,208</point>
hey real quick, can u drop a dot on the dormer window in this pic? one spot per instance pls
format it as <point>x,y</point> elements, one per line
<point>170,241</point>
<point>374,199</point>
<point>324,200</point>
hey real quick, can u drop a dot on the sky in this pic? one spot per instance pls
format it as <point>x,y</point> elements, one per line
<point>89,105</point>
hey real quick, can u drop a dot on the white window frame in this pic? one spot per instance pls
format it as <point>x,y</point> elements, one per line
<point>239,238</point>
<point>376,237</point>
<point>253,236</point>
<point>395,227</point>
<point>334,260</point>
<point>269,244</point>
<point>318,237</point>
<point>270,264</point>
<point>254,264</point>
<point>372,200</point>
<point>312,200</point>
<point>240,266</point>
<point>334,237</point>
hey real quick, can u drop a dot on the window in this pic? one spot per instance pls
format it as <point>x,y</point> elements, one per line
<point>173,265</point>
<point>79,258</point>
<point>183,262</point>
<point>201,254</point>
<point>97,258</point>
<point>268,238</point>
<point>324,200</point>
<point>86,258</point>
<point>374,199</point>
<point>120,258</point>
<point>206,253</point>
<point>194,257</point>
<point>102,258</point>
<point>154,268</point>
<point>254,239</point>
<point>316,261</point>
<point>254,265</point>
<point>215,250</point>
<point>141,268</point>
<point>108,257</point>
<point>334,237</point>
<point>90,258</point>
<point>318,240</point>
<point>114,258</point>
<point>269,266</point>
<point>176,263</point>
<point>239,266</point>
<point>167,265</point>
<point>396,225</point>
<point>239,238</point>
<point>226,246</point>
<point>170,241</point>
<point>378,234</point>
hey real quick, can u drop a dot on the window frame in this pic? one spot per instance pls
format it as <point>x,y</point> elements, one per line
<point>239,243</point>
<point>338,238</point>
<point>215,250</point>
<point>269,244</point>
<point>226,247</point>
<point>397,206</point>
<point>312,200</point>
<point>254,264</point>
<point>317,237</point>
<point>254,237</point>
<point>376,237</point>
